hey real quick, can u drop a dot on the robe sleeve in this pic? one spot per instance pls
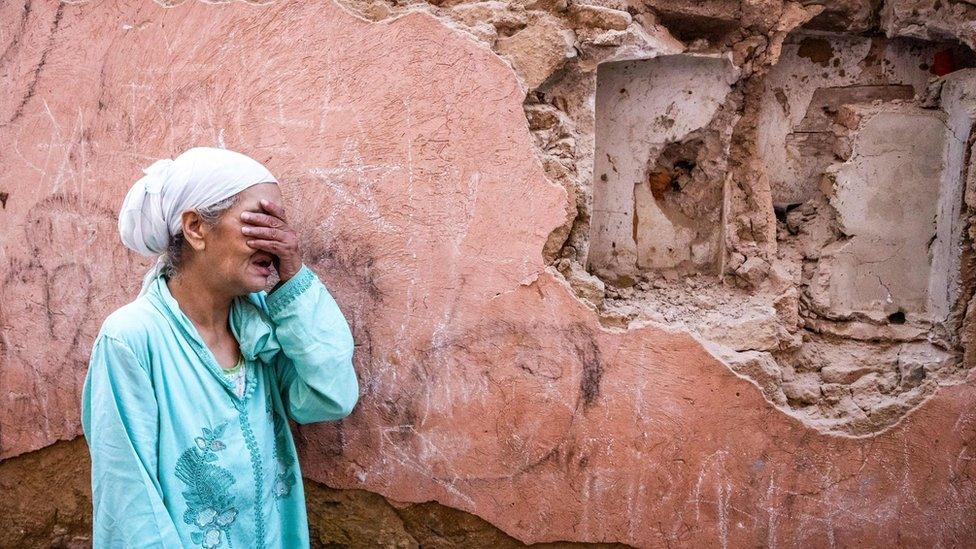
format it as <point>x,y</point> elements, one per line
<point>120,422</point>
<point>315,370</point>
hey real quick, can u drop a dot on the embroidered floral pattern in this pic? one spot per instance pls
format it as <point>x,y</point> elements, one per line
<point>209,505</point>
<point>285,477</point>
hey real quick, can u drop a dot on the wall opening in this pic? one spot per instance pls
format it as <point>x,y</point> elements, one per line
<point>657,205</point>
<point>848,322</point>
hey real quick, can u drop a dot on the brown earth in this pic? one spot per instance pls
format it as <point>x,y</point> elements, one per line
<point>46,502</point>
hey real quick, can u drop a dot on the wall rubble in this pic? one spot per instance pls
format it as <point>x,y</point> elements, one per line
<point>746,231</point>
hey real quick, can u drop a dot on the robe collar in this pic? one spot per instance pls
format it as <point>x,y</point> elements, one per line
<point>250,324</point>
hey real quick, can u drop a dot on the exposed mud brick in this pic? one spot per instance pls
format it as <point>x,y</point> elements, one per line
<point>931,19</point>
<point>598,16</point>
<point>711,20</point>
<point>846,15</point>
<point>537,50</point>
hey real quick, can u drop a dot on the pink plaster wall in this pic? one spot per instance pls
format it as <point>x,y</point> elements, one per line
<point>405,156</point>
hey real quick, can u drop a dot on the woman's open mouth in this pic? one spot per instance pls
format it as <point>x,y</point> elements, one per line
<point>263,263</point>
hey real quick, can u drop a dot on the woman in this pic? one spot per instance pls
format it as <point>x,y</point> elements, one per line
<point>189,386</point>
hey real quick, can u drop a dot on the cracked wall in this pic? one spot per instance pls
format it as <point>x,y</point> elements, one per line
<point>449,162</point>
<point>864,179</point>
<point>843,321</point>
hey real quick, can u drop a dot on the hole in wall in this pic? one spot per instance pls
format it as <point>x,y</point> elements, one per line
<point>654,197</point>
<point>845,325</point>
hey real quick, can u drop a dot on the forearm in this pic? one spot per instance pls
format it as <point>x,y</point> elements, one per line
<point>317,378</point>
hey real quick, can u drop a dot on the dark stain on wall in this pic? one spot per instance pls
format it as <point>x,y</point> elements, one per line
<point>589,355</point>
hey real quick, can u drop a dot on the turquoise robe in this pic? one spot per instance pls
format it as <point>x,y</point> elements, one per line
<point>178,460</point>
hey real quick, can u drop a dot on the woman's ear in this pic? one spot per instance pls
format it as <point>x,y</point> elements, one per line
<point>194,229</point>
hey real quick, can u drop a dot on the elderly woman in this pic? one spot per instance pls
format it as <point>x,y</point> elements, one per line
<point>189,386</point>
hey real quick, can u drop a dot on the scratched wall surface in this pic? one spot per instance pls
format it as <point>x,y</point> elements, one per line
<point>487,385</point>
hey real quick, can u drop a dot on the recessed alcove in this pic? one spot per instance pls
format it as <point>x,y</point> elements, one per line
<point>656,205</point>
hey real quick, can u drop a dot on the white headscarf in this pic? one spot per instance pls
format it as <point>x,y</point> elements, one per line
<point>198,178</point>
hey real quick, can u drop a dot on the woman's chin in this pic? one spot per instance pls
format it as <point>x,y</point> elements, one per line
<point>259,283</point>
<point>254,282</point>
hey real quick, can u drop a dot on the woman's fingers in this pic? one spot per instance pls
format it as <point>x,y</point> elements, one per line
<point>271,246</point>
<point>274,209</point>
<point>265,220</point>
<point>265,233</point>
<point>270,232</point>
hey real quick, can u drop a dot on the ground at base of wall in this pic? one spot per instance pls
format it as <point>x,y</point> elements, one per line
<point>45,497</point>
<point>45,501</point>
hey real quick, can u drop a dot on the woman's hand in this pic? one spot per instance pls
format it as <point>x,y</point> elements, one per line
<point>270,233</point>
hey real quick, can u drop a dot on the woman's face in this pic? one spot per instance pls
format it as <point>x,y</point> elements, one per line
<point>242,269</point>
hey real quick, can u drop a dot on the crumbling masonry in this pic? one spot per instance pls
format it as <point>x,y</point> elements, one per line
<point>785,181</point>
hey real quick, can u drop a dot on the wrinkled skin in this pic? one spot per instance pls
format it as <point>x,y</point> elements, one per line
<point>231,258</point>
<point>249,237</point>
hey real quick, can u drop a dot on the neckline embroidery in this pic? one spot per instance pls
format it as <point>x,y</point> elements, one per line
<point>237,376</point>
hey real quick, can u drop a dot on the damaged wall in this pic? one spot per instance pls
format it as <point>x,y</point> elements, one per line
<point>775,378</point>
<point>650,211</point>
